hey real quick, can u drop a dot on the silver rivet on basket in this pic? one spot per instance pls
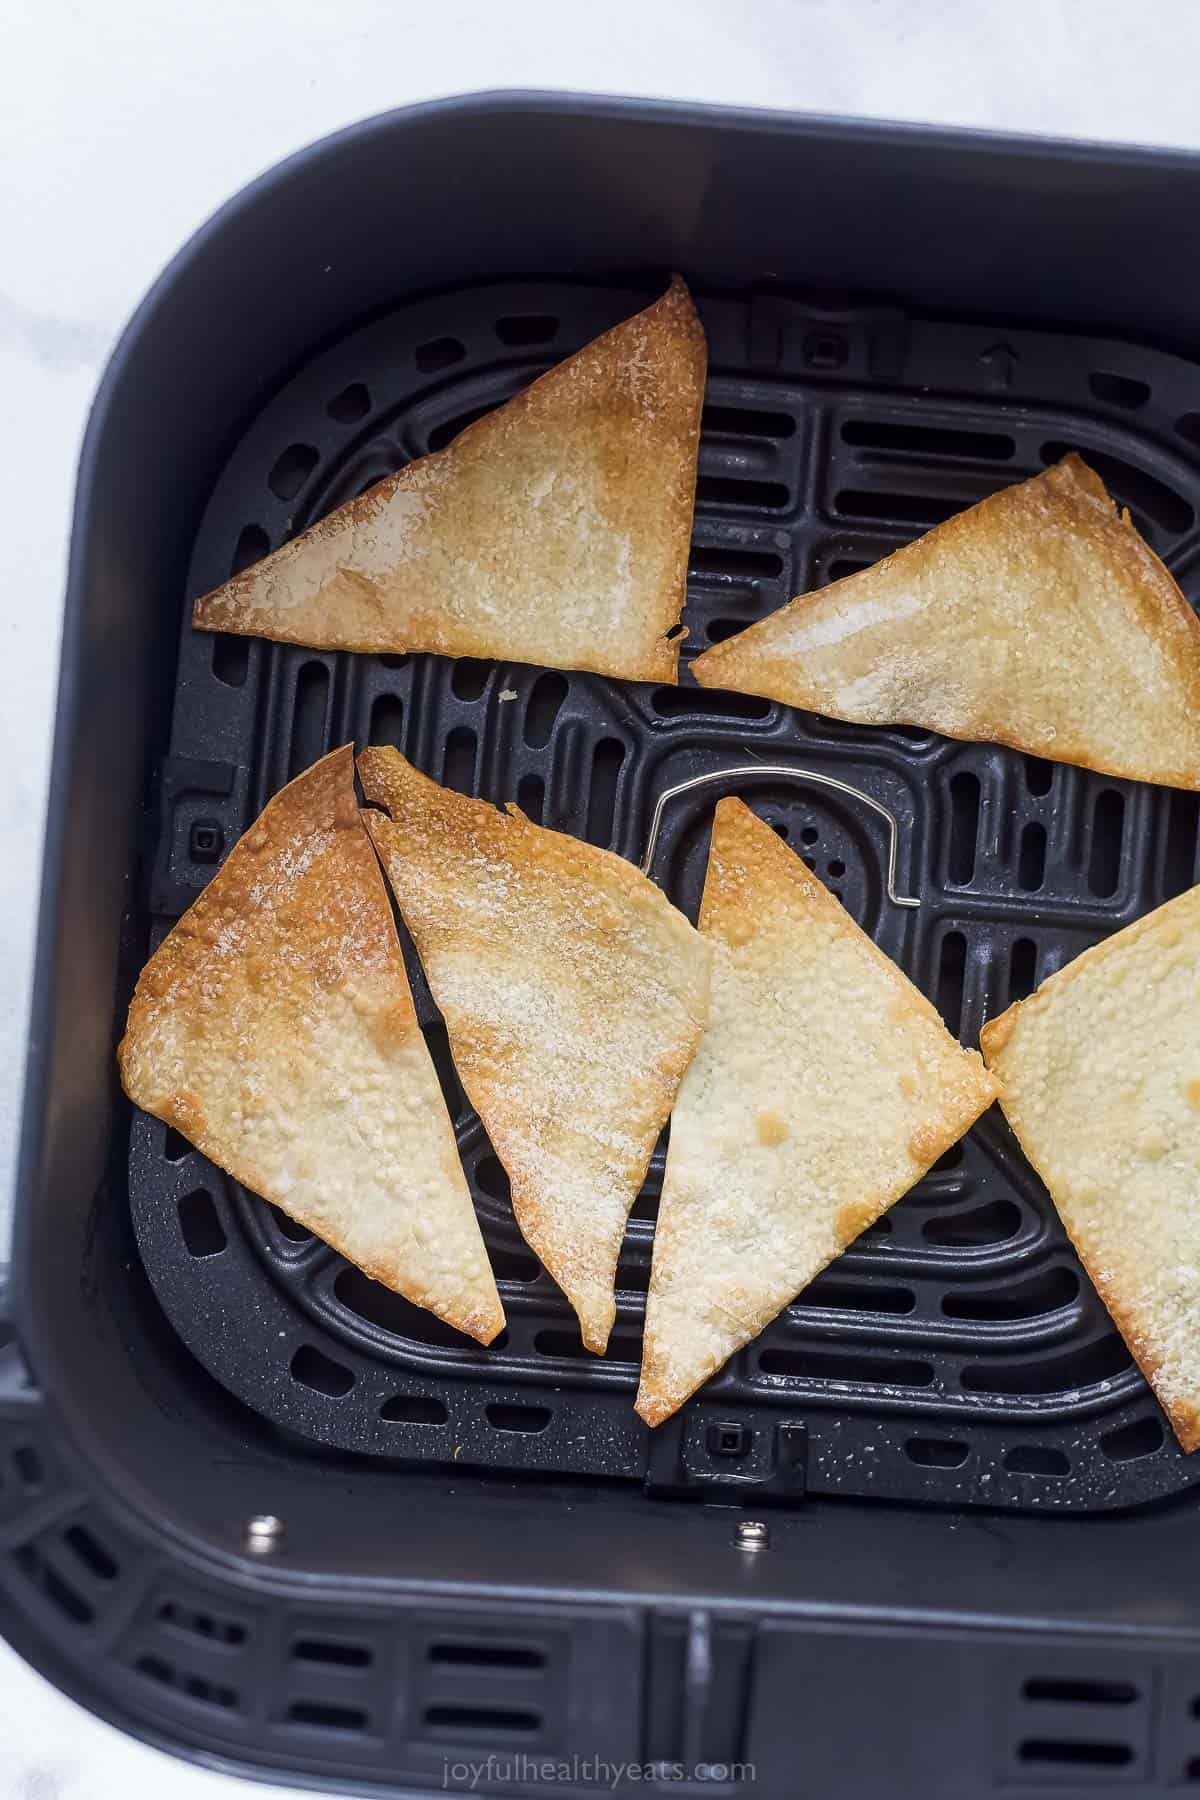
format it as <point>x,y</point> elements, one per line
<point>752,1534</point>
<point>782,772</point>
<point>264,1533</point>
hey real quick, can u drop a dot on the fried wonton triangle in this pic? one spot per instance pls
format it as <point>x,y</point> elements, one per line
<point>274,1027</point>
<point>574,995</point>
<point>1038,618</point>
<point>823,1088</point>
<point>1100,1080</point>
<point>555,530</point>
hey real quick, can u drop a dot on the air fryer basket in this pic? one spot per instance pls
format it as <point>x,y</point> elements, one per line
<point>485,1552</point>
<point>956,1353</point>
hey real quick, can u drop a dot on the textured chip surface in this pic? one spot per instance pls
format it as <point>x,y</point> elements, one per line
<point>574,995</point>
<point>274,1027</point>
<point>555,530</point>
<point>824,1087</point>
<point>1039,618</point>
<point>1100,1074</point>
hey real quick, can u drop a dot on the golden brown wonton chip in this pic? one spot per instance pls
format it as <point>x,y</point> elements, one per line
<point>824,1087</point>
<point>274,1027</point>
<point>574,994</point>
<point>554,530</point>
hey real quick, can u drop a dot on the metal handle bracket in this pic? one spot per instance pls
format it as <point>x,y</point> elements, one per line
<point>781,772</point>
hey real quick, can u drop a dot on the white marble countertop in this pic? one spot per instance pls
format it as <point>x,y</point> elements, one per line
<point>124,125</point>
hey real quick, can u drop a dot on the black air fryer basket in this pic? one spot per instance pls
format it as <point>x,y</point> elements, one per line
<point>929,1534</point>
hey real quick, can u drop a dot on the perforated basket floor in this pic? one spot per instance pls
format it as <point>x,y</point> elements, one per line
<point>956,1353</point>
